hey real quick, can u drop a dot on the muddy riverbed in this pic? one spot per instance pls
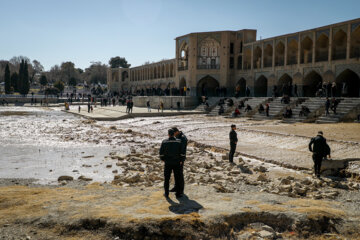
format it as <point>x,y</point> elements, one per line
<point>271,176</point>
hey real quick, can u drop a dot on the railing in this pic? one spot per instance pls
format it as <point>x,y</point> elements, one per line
<point>339,54</point>
<point>355,53</point>
<point>183,68</point>
<point>322,57</point>
<point>279,62</point>
<point>27,96</point>
<point>292,60</point>
<point>268,63</point>
<point>211,66</point>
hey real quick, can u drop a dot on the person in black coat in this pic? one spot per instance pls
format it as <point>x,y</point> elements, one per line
<point>320,150</point>
<point>233,142</point>
<point>184,141</point>
<point>170,153</point>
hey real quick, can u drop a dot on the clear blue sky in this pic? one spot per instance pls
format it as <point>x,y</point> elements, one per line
<point>82,31</point>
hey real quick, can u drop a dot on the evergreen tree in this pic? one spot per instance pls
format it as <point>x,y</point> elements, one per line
<point>7,80</point>
<point>26,79</point>
<point>15,81</point>
<point>20,83</point>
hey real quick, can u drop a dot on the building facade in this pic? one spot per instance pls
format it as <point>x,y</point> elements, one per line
<point>207,61</point>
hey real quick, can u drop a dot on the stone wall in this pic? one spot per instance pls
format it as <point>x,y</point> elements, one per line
<point>186,102</point>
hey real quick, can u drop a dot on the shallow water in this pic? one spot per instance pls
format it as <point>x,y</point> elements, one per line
<point>32,145</point>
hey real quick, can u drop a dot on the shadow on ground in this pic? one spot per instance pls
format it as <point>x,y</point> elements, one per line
<point>185,205</point>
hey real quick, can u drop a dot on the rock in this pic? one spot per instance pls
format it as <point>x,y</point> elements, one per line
<point>65,178</point>
<point>260,169</point>
<point>90,156</point>
<point>266,234</point>
<point>262,178</point>
<point>268,228</point>
<point>306,181</point>
<point>86,165</point>
<point>85,178</point>
<point>129,131</point>
<point>225,157</point>
<point>285,181</point>
<point>115,171</point>
<point>108,166</point>
<point>285,188</point>
<point>113,128</point>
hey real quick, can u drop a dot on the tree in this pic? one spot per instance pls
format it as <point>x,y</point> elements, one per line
<point>72,82</point>
<point>68,71</point>
<point>59,85</point>
<point>34,69</point>
<point>7,80</point>
<point>15,81</point>
<point>96,73</point>
<point>117,62</point>
<point>24,84</point>
<point>43,80</point>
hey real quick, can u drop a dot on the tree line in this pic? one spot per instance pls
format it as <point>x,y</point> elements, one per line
<point>19,73</point>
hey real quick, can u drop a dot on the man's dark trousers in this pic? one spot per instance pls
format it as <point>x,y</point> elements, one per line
<point>232,152</point>
<point>177,175</point>
<point>317,158</point>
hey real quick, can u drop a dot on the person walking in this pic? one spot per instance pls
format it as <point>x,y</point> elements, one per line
<point>247,91</point>
<point>170,153</point>
<point>131,106</point>
<point>267,109</point>
<point>79,108</point>
<point>233,142</point>
<point>88,107</point>
<point>148,106</point>
<point>162,106</point>
<point>327,106</point>
<point>184,141</point>
<point>295,90</point>
<point>320,150</point>
<point>178,106</point>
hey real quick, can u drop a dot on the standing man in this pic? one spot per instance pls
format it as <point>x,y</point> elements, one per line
<point>320,149</point>
<point>183,139</point>
<point>295,90</point>
<point>170,153</point>
<point>327,106</point>
<point>148,106</point>
<point>233,142</point>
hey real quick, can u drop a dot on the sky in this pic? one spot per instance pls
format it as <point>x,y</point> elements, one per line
<point>85,31</point>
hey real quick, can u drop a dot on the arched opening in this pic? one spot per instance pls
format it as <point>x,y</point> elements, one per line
<point>312,82</point>
<point>285,85</point>
<point>268,55</point>
<point>260,88</point>
<point>306,50</point>
<point>162,71</point>
<point>124,75</point>
<point>292,52</point>
<point>155,72</point>
<point>355,43</point>
<point>257,58</point>
<point>182,83</point>
<point>279,54</point>
<point>348,84</point>
<point>322,48</point>
<point>207,86</point>
<point>241,87</point>
<point>183,57</point>
<point>171,70</point>
<point>239,62</point>
<point>247,58</point>
<point>167,74</point>
<point>159,72</point>
<point>339,45</point>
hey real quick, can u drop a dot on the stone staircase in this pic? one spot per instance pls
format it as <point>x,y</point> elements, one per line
<point>315,106</point>
<point>212,101</point>
<point>343,109</point>
<point>227,109</point>
<point>254,103</point>
<point>276,109</point>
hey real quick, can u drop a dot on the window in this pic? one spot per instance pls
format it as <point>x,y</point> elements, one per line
<point>231,63</point>
<point>231,48</point>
